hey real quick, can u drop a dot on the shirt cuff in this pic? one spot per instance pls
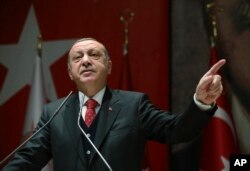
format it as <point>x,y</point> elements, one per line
<point>201,105</point>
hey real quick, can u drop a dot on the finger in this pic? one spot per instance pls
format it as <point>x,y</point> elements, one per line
<point>216,81</point>
<point>205,82</point>
<point>216,90</point>
<point>214,69</point>
<point>211,96</point>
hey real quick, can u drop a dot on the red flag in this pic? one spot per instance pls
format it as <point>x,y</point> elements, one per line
<point>219,138</point>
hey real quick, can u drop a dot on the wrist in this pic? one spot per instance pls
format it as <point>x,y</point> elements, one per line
<point>202,105</point>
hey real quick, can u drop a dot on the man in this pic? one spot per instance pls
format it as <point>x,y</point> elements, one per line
<point>123,123</point>
<point>233,25</point>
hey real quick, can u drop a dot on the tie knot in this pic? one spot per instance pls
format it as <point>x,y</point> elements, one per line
<point>91,104</point>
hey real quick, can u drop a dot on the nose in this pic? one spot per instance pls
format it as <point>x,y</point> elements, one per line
<point>86,60</point>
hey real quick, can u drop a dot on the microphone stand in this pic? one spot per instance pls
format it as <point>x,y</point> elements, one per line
<point>34,134</point>
<point>92,144</point>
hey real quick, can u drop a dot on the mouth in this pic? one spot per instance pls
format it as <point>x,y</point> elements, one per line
<point>87,72</point>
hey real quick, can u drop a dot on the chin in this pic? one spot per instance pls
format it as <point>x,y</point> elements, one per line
<point>87,81</point>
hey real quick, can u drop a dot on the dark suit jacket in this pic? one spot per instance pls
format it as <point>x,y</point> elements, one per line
<point>126,121</point>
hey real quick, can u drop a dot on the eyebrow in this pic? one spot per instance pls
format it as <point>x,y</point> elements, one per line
<point>95,50</point>
<point>77,52</point>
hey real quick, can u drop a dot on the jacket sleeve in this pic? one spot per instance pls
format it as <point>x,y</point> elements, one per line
<point>167,127</point>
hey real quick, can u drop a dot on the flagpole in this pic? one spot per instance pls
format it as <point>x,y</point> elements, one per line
<point>39,45</point>
<point>126,17</point>
<point>210,10</point>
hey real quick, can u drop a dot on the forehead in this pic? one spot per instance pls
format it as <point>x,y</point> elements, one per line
<point>86,45</point>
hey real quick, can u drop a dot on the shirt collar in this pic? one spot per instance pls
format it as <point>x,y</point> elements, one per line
<point>97,97</point>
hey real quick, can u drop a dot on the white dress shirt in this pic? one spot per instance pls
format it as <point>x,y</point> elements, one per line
<point>83,98</point>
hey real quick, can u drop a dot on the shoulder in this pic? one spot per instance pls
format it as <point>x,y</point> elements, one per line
<point>126,93</point>
<point>56,102</point>
<point>63,101</point>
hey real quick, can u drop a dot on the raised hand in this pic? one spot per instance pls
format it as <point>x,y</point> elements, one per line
<point>210,86</point>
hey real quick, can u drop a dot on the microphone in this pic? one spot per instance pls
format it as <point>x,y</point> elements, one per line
<point>35,133</point>
<point>89,140</point>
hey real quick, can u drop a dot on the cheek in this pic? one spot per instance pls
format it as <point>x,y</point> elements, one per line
<point>103,71</point>
<point>74,70</point>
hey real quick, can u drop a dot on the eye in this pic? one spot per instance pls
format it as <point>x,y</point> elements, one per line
<point>95,55</point>
<point>77,58</point>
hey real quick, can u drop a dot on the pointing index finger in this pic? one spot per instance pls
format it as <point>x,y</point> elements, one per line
<point>214,69</point>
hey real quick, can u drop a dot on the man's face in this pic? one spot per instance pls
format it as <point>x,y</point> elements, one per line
<point>233,23</point>
<point>88,65</point>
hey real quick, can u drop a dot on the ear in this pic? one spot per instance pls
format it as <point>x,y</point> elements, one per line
<point>70,73</point>
<point>109,66</point>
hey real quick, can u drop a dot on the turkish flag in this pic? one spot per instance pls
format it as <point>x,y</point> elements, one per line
<point>219,138</point>
<point>61,22</point>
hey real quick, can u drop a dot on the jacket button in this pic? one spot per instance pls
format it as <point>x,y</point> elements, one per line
<point>88,152</point>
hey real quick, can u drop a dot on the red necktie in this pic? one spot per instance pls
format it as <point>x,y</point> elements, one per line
<point>90,113</point>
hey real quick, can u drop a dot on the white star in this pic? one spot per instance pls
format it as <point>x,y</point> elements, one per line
<point>226,163</point>
<point>20,59</point>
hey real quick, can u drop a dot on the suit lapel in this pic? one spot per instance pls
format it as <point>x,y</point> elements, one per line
<point>108,114</point>
<point>71,121</point>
